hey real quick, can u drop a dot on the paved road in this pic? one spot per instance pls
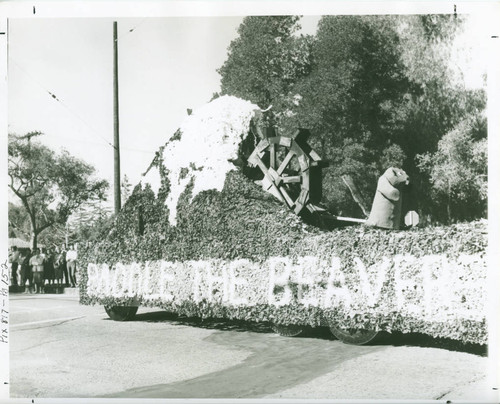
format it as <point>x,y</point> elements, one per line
<point>61,349</point>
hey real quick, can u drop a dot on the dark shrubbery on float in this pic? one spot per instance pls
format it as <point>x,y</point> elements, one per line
<point>241,254</point>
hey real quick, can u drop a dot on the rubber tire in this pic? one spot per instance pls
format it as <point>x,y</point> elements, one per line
<point>287,330</point>
<point>121,313</point>
<point>355,337</point>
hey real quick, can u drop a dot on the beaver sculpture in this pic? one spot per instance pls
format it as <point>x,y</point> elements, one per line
<point>386,208</point>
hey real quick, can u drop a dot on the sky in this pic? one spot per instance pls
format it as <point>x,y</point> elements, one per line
<point>166,65</point>
<point>164,68</point>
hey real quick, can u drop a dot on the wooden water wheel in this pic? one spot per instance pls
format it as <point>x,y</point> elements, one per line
<point>291,170</point>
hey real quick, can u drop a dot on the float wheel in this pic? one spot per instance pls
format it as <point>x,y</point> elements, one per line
<point>121,313</point>
<point>353,336</point>
<point>287,330</point>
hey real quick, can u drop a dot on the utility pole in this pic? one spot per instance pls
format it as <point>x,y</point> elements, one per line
<point>116,143</point>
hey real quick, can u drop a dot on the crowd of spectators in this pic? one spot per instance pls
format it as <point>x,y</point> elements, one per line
<point>34,270</point>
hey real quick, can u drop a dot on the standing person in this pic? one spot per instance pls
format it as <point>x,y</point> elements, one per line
<point>71,257</point>
<point>36,262</point>
<point>13,259</point>
<point>48,270</point>
<point>20,260</point>
<point>43,253</point>
<point>58,266</point>
<point>64,265</point>
<point>26,275</point>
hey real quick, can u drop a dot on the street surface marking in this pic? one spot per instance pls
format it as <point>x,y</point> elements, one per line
<point>22,309</point>
<point>45,321</point>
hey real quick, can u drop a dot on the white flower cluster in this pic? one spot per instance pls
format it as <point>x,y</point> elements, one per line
<point>210,137</point>
<point>433,288</point>
<point>296,99</point>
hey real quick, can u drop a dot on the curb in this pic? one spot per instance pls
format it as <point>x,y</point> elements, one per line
<point>48,290</point>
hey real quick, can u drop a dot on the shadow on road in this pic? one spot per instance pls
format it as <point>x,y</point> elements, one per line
<point>383,339</point>
<point>426,341</point>
<point>208,323</point>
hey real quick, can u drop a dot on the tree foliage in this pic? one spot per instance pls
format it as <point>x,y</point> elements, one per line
<point>90,221</point>
<point>375,91</point>
<point>458,169</point>
<point>50,186</point>
<point>265,60</point>
<point>19,222</point>
<point>347,101</point>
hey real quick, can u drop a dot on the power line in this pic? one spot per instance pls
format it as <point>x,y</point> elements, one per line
<point>97,143</point>
<point>53,96</point>
<point>132,29</point>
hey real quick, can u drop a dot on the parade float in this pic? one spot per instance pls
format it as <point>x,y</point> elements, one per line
<point>227,223</point>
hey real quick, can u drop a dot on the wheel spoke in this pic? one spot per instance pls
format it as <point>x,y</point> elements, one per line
<point>291,179</point>
<point>272,155</point>
<point>294,187</point>
<point>287,197</point>
<point>285,162</point>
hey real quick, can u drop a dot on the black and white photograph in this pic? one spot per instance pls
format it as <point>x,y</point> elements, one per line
<point>268,201</point>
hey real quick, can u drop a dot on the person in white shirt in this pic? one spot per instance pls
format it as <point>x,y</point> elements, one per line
<point>71,257</point>
<point>36,263</point>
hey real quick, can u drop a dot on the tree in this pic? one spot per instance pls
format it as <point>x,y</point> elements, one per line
<point>347,101</point>
<point>334,86</point>
<point>265,60</point>
<point>375,91</point>
<point>50,186</point>
<point>19,223</point>
<point>20,226</point>
<point>55,237</point>
<point>438,103</point>
<point>88,221</point>
<point>458,170</point>
<point>380,92</point>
